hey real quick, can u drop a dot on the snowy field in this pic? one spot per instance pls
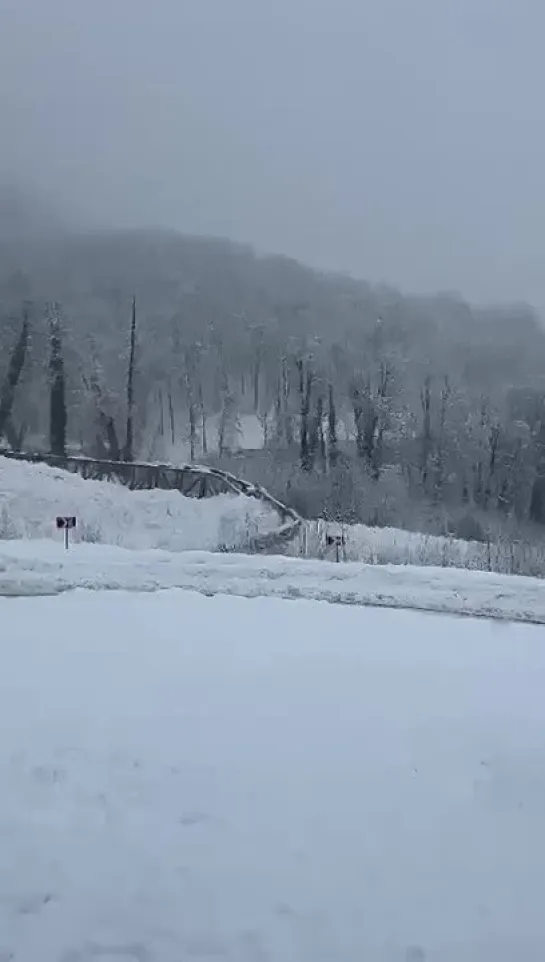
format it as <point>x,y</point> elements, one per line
<point>226,780</point>
<point>44,567</point>
<point>32,495</point>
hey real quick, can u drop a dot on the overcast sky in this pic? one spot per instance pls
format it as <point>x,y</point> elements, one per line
<point>402,140</point>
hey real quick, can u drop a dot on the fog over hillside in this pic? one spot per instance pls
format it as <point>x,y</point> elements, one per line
<point>349,400</point>
<point>400,141</point>
<point>299,238</point>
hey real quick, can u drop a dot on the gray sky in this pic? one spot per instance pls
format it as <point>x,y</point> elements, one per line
<point>402,140</point>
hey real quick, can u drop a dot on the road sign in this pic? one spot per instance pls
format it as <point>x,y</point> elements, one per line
<point>65,523</point>
<point>339,541</point>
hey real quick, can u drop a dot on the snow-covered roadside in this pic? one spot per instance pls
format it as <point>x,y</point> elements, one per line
<point>43,567</point>
<point>32,495</point>
<point>395,546</point>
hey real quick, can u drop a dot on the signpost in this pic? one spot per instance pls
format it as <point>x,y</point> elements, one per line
<point>339,541</point>
<point>64,524</point>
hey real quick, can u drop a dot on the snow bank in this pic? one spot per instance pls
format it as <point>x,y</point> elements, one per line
<point>34,567</point>
<point>32,495</point>
<point>398,547</point>
<point>186,779</point>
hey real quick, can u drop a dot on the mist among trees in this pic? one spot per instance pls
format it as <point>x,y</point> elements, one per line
<point>349,401</point>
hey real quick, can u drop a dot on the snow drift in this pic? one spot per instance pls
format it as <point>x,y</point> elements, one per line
<point>43,567</point>
<point>31,495</point>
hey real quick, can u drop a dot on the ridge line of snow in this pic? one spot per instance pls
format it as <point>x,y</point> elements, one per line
<point>43,567</point>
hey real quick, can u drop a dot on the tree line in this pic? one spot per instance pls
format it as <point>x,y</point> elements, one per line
<point>58,414</point>
<point>450,448</point>
<point>159,347</point>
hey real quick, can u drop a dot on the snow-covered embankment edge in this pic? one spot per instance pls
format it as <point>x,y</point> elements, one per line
<point>108,512</point>
<point>43,567</point>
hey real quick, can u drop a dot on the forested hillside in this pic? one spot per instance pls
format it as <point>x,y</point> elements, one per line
<point>348,400</point>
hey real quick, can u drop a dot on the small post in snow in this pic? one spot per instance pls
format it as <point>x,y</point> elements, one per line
<point>339,541</point>
<point>64,524</point>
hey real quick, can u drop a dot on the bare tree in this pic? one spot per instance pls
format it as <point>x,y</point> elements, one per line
<point>537,500</point>
<point>494,434</point>
<point>107,440</point>
<point>263,418</point>
<point>189,382</point>
<point>229,426</point>
<point>441,442</point>
<point>171,418</point>
<point>332,440</point>
<point>427,441</point>
<point>370,406</point>
<point>321,447</point>
<point>279,421</point>
<point>202,409</point>
<point>305,391</point>
<point>57,396</point>
<point>11,380</point>
<point>286,413</point>
<point>257,337</point>
<point>128,452</point>
<point>192,419</point>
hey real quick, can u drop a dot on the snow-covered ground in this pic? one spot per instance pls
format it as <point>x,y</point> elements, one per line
<point>32,495</point>
<point>395,546</point>
<point>188,778</point>
<point>44,567</point>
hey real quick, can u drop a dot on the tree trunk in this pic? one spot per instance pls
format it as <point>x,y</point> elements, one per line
<point>128,453</point>
<point>257,374</point>
<point>192,432</point>
<point>493,441</point>
<point>192,417</point>
<point>305,388</point>
<point>357,407</point>
<point>332,441</point>
<point>108,426</point>
<point>537,503</point>
<point>15,367</point>
<point>279,421</point>
<point>161,414</point>
<point>425,399</point>
<point>13,436</point>
<point>321,435</point>
<point>288,422</point>
<point>203,419</point>
<point>171,416</point>
<point>57,398</point>
<point>264,422</point>
<point>440,455</point>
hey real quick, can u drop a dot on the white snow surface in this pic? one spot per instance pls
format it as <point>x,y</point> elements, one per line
<point>44,567</point>
<point>32,495</point>
<point>396,546</point>
<point>193,779</point>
